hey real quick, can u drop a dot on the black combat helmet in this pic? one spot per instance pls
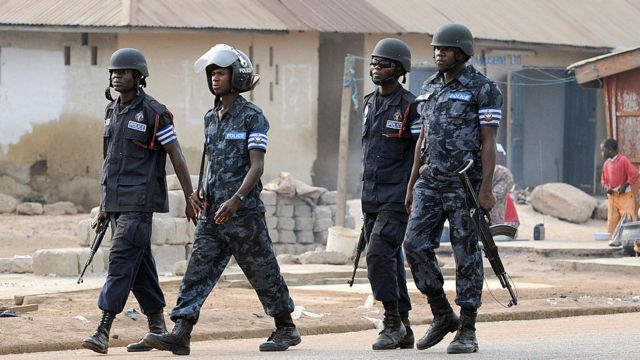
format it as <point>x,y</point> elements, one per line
<point>394,49</point>
<point>128,58</point>
<point>454,35</point>
<point>225,56</point>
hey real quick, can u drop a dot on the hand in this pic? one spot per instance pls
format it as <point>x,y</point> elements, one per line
<point>486,200</point>
<point>196,201</point>
<point>408,201</point>
<point>226,210</point>
<point>190,212</point>
<point>623,187</point>
<point>102,216</point>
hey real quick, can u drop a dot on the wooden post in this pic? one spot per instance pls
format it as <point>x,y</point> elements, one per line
<point>509,121</point>
<point>343,150</point>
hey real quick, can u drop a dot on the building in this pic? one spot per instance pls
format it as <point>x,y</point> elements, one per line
<point>53,56</point>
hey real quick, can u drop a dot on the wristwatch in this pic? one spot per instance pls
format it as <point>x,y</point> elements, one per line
<point>239,195</point>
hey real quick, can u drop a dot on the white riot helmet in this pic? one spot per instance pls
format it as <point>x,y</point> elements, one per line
<point>225,56</point>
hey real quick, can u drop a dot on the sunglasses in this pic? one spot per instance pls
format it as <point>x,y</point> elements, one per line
<point>382,63</point>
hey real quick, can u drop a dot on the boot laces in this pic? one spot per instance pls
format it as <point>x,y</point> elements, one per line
<point>278,335</point>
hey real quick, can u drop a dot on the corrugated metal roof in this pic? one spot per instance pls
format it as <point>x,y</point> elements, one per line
<point>347,16</point>
<point>62,12</point>
<point>584,23</point>
<point>592,23</point>
<point>220,14</point>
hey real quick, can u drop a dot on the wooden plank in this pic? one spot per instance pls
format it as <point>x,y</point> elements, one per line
<point>611,65</point>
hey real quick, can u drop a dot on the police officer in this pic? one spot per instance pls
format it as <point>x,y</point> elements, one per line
<point>236,141</point>
<point>461,110</point>
<point>391,127</point>
<point>138,135</point>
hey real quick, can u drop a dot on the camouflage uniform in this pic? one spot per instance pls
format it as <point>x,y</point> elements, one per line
<point>452,116</point>
<point>388,139</point>
<point>502,183</point>
<point>242,128</point>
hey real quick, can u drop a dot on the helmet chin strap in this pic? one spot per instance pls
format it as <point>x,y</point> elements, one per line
<point>385,81</point>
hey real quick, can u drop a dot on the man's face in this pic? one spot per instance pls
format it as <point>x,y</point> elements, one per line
<point>445,57</point>
<point>381,68</point>
<point>606,152</point>
<point>221,81</point>
<point>123,80</point>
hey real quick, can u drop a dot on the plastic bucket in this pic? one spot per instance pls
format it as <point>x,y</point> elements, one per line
<point>342,239</point>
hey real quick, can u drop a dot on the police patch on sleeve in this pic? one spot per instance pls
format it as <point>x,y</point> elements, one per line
<point>490,116</point>
<point>137,126</point>
<point>257,141</point>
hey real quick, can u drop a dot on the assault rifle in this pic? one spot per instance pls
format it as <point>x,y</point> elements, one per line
<point>95,245</point>
<point>481,220</point>
<point>362,243</point>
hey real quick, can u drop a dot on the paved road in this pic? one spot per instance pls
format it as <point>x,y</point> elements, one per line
<point>586,337</point>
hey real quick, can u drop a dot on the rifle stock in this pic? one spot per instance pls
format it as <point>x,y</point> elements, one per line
<point>362,243</point>
<point>95,245</point>
<point>490,249</point>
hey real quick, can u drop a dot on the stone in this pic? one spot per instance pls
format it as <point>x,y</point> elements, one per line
<point>322,225</point>
<point>349,222</point>
<point>601,211</point>
<point>98,264</point>
<point>177,203</point>
<point>284,200</point>
<point>303,223</point>
<point>84,232</point>
<point>60,208</point>
<point>274,235</point>
<point>180,268</point>
<point>287,259</point>
<point>61,262</point>
<point>167,256</point>
<point>286,223</point>
<point>324,257</point>
<point>302,210</point>
<point>323,212</point>
<point>174,184</point>
<point>10,186</point>
<point>328,198</point>
<point>286,237</point>
<point>179,236</point>
<point>270,210</point>
<point>269,198</point>
<point>29,208</point>
<point>284,210</point>
<point>160,230</point>
<point>563,201</point>
<point>8,204</point>
<point>304,237</point>
<point>293,249</point>
<point>16,265</point>
<point>82,191</point>
<point>272,222</point>
<point>320,237</point>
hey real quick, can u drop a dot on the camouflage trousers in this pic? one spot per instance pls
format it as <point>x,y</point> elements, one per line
<point>433,203</point>
<point>246,238</point>
<point>385,261</point>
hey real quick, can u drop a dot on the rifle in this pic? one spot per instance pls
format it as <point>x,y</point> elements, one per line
<point>481,220</point>
<point>95,245</point>
<point>362,243</point>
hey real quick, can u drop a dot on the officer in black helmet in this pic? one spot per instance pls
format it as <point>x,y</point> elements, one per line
<point>390,129</point>
<point>461,112</point>
<point>138,134</point>
<point>234,224</point>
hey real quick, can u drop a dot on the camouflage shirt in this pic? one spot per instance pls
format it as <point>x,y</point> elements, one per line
<point>228,140</point>
<point>452,115</point>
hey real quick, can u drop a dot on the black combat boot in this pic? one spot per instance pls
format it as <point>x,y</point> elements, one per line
<point>394,330</point>
<point>444,321</point>
<point>177,341</point>
<point>286,334</point>
<point>99,341</point>
<point>156,326</point>
<point>407,341</point>
<point>465,340</point>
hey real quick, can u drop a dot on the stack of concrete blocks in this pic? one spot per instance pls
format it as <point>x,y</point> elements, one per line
<point>298,224</point>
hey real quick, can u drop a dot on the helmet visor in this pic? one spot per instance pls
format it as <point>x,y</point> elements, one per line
<point>221,55</point>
